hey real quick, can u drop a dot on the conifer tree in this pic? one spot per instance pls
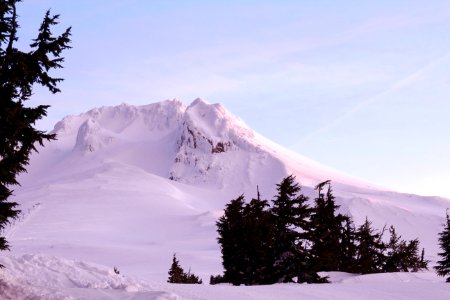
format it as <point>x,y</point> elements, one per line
<point>232,240</point>
<point>443,265</point>
<point>423,262</point>
<point>369,249</point>
<point>412,260</point>
<point>216,279</point>
<point>246,237</point>
<point>326,249</point>
<point>176,273</point>
<point>402,256</point>
<point>347,246</point>
<point>291,215</point>
<point>19,72</point>
<point>191,278</point>
<point>394,255</point>
<point>259,242</point>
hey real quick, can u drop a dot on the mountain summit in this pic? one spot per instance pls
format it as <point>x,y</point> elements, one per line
<point>200,144</point>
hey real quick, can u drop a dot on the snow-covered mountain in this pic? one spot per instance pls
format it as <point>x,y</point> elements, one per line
<point>128,186</point>
<point>201,144</point>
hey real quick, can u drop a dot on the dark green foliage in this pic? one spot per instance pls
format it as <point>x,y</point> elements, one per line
<point>259,243</point>
<point>19,71</point>
<point>291,215</point>
<point>262,245</point>
<point>413,261</point>
<point>232,239</point>
<point>423,264</point>
<point>326,231</point>
<point>347,246</point>
<point>402,256</point>
<point>443,265</point>
<point>369,249</point>
<point>216,279</point>
<point>177,274</point>
<point>291,242</point>
<point>246,239</point>
<point>394,256</point>
<point>191,278</point>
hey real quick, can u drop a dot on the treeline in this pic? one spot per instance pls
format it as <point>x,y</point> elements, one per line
<point>288,240</point>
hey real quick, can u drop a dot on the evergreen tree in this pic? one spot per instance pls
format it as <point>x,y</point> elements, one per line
<point>423,262</point>
<point>412,261</point>
<point>402,256</point>
<point>191,278</point>
<point>216,279</point>
<point>369,249</point>
<point>176,273</point>
<point>19,71</point>
<point>232,239</point>
<point>326,249</point>
<point>246,237</point>
<point>347,246</point>
<point>394,255</point>
<point>259,242</point>
<point>443,265</point>
<point>291,215</point>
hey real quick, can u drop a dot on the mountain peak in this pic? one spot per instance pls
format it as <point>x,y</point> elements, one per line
<point>201,143</point>
<point>199,101</point>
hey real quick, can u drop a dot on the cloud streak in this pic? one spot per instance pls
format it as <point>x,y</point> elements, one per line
<point>406,81</point>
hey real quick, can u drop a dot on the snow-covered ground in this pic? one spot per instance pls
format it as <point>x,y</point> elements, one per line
<point>129,186</point>
<point>46,277</point>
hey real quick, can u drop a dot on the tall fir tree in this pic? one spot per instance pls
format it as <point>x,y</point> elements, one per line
<point>232,239</point>
<point>394,255</point>
<point>246,236</point>
<point>326,249</point>
<point>443,265</point>
<point>291,215</point>
<point>369,249</point>
<point>19,72</point>
<point>347,246</point>
<point>259,242</point>
<point>176,272</point>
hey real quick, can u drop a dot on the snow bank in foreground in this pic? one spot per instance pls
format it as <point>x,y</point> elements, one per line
<point>35,277</point>
<point>45,277</point>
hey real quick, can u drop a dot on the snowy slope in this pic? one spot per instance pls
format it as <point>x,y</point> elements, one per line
<point>128,186</point>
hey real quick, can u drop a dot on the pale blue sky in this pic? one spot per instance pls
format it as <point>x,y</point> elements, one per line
<point>362,86</point>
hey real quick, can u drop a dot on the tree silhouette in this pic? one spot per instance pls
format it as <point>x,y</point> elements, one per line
<point>19,72</point>
<point>177,274</point>
<point>326,226</point>
<point>369,249</point>
<point>443,265</point>
<point>230,228</point>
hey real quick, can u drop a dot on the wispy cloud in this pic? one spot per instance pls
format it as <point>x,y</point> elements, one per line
<point>402,83</point>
